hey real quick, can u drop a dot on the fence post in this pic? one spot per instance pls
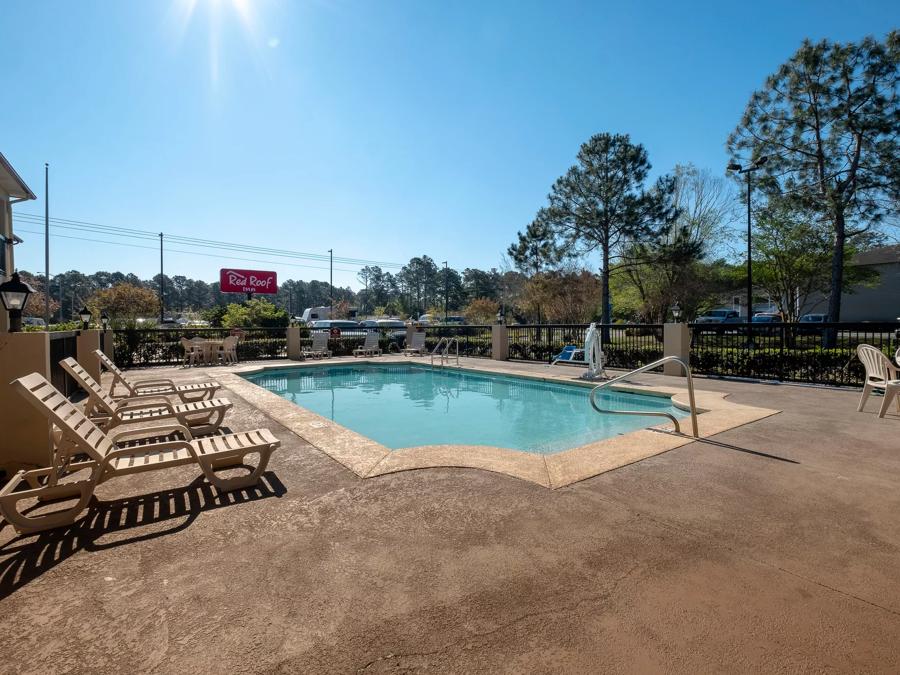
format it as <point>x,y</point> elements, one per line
<point>499,342</point>
<point>87,342</point>
<point>293,343</point>
<point>676,342</point>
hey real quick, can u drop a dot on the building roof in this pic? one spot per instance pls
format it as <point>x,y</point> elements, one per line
<point>882,255</point>
<point>11,183</point>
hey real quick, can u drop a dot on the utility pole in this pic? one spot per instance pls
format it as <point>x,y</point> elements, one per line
<point>47,245</point>
<point>331,280</point>
<point>162,283</point>
<point>445,291</point>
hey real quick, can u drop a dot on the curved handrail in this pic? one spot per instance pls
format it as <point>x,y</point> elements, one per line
<point>651,366</point>
<point>446,353</point>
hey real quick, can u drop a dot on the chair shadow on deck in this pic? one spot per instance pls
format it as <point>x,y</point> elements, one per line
<point>26,557</point>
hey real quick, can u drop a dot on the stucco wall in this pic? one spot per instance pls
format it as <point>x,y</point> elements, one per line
<point>24,433</point>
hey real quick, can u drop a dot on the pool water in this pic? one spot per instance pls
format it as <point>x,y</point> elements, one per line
<point>405,405</point>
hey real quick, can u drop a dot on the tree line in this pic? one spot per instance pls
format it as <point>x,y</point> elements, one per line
<point>823,131</point>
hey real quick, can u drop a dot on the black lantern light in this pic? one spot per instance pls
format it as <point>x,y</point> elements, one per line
<point>14,294</point>
<point>676,312</point>
<point>85,316</point>
<point>104,320</point>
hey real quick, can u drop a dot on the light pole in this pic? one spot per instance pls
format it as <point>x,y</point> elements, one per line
<point>331,283</point>
<point>162,283</point>
<point>445,290</point>
<point>749,169</point>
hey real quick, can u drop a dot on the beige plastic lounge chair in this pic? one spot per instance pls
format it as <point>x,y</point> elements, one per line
<point>201,417</point>
<point>416,346</point>
<point>319,347</point>
<point>881,374</point>
<point>370,346</point>
<point>74,434</point>
<point>199,391</point>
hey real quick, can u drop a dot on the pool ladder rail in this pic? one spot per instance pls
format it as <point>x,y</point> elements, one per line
<point>445,354</point>
<point>642,369</point>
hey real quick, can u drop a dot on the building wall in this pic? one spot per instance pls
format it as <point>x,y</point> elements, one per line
<point>880,302</point>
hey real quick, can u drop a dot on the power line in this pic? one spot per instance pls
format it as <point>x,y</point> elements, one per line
<point>120,231</point>
<point>175,250</point>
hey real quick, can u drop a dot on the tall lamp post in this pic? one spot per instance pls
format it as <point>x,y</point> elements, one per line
<point>445,291</point>
<point>748,170</point>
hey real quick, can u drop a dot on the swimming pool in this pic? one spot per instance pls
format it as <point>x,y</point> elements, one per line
<point>403,405</point>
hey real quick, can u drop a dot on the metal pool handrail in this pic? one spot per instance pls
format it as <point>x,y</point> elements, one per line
<point>447,341</point>
<point>651,366</point>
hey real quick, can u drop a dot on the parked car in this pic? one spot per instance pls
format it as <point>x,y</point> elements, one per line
<point>34,321</point>
<point>344,327</point>
<point>715,318</point>
<point>807,323</point>
<point>760,320</point>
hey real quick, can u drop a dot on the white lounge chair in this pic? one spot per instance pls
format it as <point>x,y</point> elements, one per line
<point>201,417</point>
<point>319,348</point>
<point>198,391</point>
<point>370,346</point>
<point>881,375</point>
<point>75,435</point>
<point>416,346</point>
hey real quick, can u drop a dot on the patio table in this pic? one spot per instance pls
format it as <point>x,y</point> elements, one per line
<point>209,347</point>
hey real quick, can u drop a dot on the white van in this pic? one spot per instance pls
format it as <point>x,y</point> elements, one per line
<point>311,314</point>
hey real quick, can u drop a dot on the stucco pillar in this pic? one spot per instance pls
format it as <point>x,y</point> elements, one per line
<point>676,342</point>
<point>87,342</point>
<point>24,432</point>
<point>294,352</point>
<point>109,345</point>
<point>499,342</point>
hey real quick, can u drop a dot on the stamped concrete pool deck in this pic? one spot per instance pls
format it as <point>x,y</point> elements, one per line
<point>770,547</point>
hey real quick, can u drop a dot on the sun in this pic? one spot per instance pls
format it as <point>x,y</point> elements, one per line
<point>243,12</point>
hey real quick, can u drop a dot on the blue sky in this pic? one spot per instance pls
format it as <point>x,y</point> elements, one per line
<point>382,130</point>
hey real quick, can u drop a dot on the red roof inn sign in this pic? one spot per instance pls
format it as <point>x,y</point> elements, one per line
<point>247,281</point>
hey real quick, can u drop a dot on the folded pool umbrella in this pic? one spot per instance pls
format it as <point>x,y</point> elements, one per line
<point>593,354</point>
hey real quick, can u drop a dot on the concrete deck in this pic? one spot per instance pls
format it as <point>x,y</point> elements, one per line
<point>773,547</point>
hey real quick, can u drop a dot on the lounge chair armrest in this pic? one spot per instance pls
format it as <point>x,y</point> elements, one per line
<point>145,432</point>
<point>155,382</point>
<point>148,402</point>
<point>164,446</point>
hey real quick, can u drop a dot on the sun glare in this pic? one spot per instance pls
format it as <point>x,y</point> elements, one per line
<point>219,13</point>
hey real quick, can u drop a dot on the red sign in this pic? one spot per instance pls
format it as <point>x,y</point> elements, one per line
<point>247,281</point>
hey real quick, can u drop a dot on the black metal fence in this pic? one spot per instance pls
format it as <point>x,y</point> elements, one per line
<point>823,353</point>
<point>627,346</point>
<point>473,340</point>
<point>140,347</point>
<point>63,344</point>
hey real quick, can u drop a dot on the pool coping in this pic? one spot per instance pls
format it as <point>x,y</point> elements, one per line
<point>368,458</point>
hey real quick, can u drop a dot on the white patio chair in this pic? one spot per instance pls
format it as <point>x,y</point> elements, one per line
<point>881,375</point>
<point>191,353</point>
<point>227,351</point>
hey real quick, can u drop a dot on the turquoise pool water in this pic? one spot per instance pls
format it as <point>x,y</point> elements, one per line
<point>404,405</point>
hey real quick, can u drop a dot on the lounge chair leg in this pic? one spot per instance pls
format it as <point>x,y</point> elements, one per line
<point>238,482</point>
<point>867,389</point>
<point>25,524</point>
